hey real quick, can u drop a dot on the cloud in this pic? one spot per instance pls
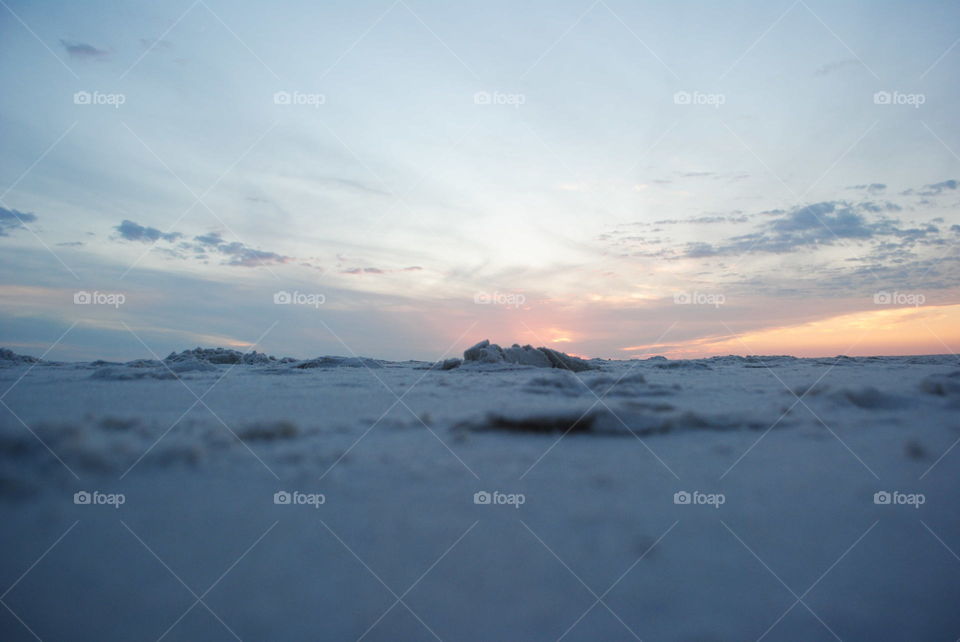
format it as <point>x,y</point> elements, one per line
<point>214,238</point>
<point>83,51</point>
<point>933,189</point>
<point>873,188</point>
<point>13,219</point>
<point>831,67</point>
<point>235,253</point>
<point>886,206</point>
<point>131,231</point>
<point>823,224</point>
<point>800,229</point>
<point>734,217</point>
<point>700,249</point>
<point>376,270</point>
<point>363,270</point>
<point>346,183</point>
<point>245,256</point>
<point>238,253</point>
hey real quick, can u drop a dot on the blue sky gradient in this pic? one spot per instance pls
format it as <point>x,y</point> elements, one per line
<point>555,173</point>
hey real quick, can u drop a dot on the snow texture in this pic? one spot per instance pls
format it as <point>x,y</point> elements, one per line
<point>199,444</point>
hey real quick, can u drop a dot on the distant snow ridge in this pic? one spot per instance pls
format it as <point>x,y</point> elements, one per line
<point>224,355</point>
<point>486,352</point>
<point>337,362</point>
<point>9,357</point>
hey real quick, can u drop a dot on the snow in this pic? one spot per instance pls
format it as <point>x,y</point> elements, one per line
<point>487,353</point>
<point>199,444</point>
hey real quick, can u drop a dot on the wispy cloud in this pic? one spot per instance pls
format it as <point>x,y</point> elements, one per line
<point>234,252</point>
<point>801,229</point>
<point>130,231</point>
<point>872,188</point>
<point>13,219</point>
<point>376,270</point>
<point>830,67</point>
<point>933,189</point>
<point>83,50</point>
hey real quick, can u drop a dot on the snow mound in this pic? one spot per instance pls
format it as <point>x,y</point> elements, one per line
<point>561,382</point>
<point>539,422</point>
<point>448,364</point>
<point>868,398</point>
<point>269,431</point>
<point>754,361</point>
<point>337,362</point>
<point>145,369</point>
<point>600,386</point>
<point>123,373</point>
<point>942,385</point>
<point>224,356</point>
<point>486,352</point>
<point>682,364</point>
<point>9,358</point>
<point>645,422</point>
<point>626,385</point>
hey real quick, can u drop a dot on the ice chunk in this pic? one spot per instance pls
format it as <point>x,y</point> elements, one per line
<point>9,357</point>
<point>486,352</point>
<point>223,355</point>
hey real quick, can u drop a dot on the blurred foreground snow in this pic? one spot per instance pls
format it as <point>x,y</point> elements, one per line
<point>210,497</point>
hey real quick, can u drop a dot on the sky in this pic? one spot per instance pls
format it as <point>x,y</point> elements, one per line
<point>401,179</point>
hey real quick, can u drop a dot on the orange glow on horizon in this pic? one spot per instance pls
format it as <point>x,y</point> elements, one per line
<point>891,332</point>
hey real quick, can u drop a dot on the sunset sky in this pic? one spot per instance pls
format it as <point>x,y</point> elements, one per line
<point>607,178</point>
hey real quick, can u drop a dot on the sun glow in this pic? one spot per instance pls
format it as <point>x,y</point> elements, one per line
<point>899,331</point>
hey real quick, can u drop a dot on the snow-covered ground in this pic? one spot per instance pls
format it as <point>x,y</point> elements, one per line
<point>587,534</point>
